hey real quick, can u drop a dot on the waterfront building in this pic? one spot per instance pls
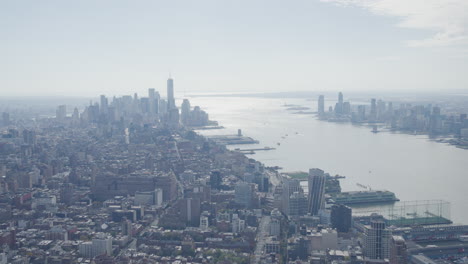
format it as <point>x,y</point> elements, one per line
<point>346,110</point>
<point>373,110</point>
<point>464,133</point>
<point>316,190</point>
<point>381,109</point>
<point>361,113</point>
<point>390,109</point>
<point>339,105</point>
<point>321,105</point>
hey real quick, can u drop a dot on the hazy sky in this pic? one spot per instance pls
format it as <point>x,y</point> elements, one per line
<point>90,47</point>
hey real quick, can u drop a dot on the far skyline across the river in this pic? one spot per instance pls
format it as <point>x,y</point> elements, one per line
<point>84,48</point>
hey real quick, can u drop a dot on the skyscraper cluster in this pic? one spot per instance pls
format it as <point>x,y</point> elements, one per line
<point>127,109</point>
<point>406,117</point>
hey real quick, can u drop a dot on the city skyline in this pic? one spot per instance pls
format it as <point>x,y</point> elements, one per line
<point>153,178</point>
<point>234,132</point>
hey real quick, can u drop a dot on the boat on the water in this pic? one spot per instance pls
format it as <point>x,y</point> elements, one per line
<point>363,197</point>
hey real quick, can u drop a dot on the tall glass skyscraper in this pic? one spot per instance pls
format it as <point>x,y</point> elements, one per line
<point>170,94</point>
<point>316,190</point>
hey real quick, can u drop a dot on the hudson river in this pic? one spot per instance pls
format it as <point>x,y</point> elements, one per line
<point>413,167</point>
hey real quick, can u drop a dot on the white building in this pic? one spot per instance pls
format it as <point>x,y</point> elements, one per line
<point>377,241</point>
<point>101,244</point>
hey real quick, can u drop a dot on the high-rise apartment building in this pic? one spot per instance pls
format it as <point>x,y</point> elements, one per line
<point>377,239</point>
<point>316,190</point>
<point>321,105</point>
<point>297,204</point>
<point>288,187</point>
<point>339,104</point>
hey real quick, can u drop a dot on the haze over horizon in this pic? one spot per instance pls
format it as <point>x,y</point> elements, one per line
<point>86,48</point>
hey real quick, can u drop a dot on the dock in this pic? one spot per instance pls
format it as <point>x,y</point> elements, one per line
<point>233,140</point>
<point>254,149</point>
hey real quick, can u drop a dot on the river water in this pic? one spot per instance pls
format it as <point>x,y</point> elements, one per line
<point>411,166</point>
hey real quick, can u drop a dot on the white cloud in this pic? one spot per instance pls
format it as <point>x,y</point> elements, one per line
<point>448,19</point>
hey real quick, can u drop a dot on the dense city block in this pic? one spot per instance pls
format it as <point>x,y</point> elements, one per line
<point>129,180</point>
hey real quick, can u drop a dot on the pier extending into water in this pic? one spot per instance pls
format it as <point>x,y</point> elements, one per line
<point>254,149</point>
<point>233,140</point>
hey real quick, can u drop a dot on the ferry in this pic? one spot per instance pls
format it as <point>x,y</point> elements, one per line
<point>363,197</point>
